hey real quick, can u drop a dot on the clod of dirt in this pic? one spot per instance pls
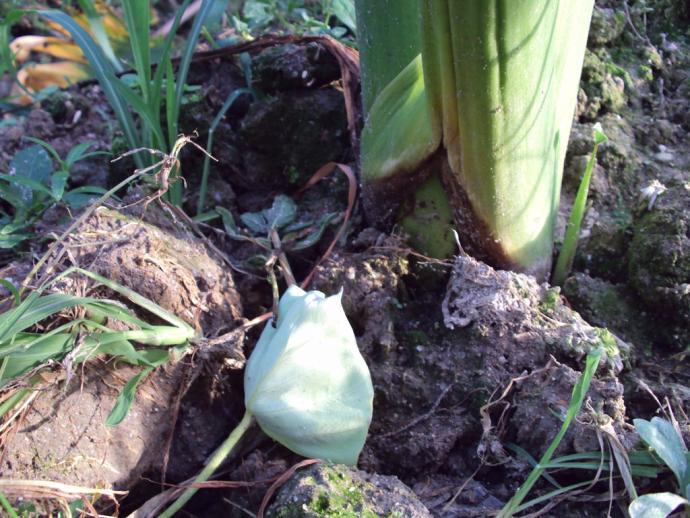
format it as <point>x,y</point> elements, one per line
<point>370,283</point>
<point>497,300</point>
<point>173,269</point>
<point>337,491</point>
<point>604,304</point>
<point>64,437</point>
<point>286,138</point>
<point>550,390</point>
<point>290,67</point>
<point>659,263</point>
<point>606,26</point>
<point>431,381</point>
<point>604,88</point>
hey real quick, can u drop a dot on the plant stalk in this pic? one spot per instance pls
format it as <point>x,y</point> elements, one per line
<point>214,462</point>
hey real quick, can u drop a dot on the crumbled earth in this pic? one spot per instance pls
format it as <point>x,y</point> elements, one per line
<point>495,326</point>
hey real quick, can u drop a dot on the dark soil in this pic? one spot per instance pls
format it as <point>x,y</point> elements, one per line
<point>464,358</point>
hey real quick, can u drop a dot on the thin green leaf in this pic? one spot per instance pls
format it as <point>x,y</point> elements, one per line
<point>229,222</point>
<point>138,21</point>
<point>551,494</point>
<point>77,153</point>
<point>139,105</point>
<point>186,59</point>
<point>577,398</point>
<point>316,235</point>
<point>234,95</point>
<point>564,263</point>
<point>7,506</point>
<point>125,399</point>
<point>103,71</point>
<point>47,348</point>
<point>164,60</point>
<point>141,301</point>
<point>99,32</point>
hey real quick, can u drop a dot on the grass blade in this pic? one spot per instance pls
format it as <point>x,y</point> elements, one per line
<point>125,399</point>
<point>578,396</point>
<point>99,32</point>
<point>164,62</point>
<point>138,21</point>
<point>209,144</point>
<point>572,233</point>
<point>103,71</point>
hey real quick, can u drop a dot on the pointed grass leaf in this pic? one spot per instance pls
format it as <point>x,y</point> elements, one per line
<point>663,438</point>
<point>21,362</point>
<point>125,399</point>
<point>655,505</point>
<point>306,382</point>
<point>57,184</point>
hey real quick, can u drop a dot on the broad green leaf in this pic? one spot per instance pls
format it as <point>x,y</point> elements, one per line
<point>31,168</point>
<point>255,221</point>
<point>306,382</point>
<point>26,187</point>
<point>655,505</point>
<point>344,10</point>
<point>125,399</point>
<point>281,213</point>
<point>663,438</point>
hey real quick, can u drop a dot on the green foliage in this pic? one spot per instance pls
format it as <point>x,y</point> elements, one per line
<point>24,351</point>
<point>155,89</point>
<point>328,17</point>
<point>667,443</point>
<point>295,233</point>
<point>577,214</point>
<point>33,185</point>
